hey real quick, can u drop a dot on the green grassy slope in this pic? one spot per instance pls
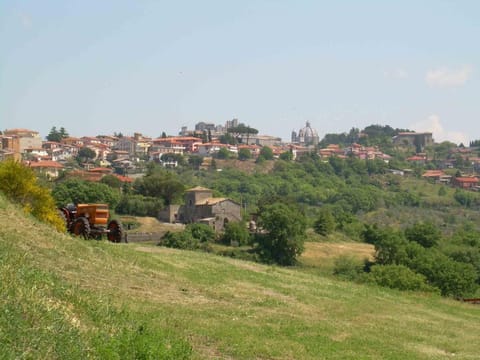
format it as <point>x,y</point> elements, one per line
<point>70,298</point>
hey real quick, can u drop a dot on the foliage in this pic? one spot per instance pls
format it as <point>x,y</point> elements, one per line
<point>57,135</point>
<point>286,156</point>
<point>266,153</point>
<point>284,235</point>
<point>112,181</point>
<point>161,184</point>
<point>325,223</point>
<point>451,277</point>
<point>424,233</point>
<point>464,198</point>
<point>236,233</point>
<point>201,232</point>
<point>86,154</point>
<point>139,205</point>
<point>223,153</point>
<point>76,191</point>
<point>20,186</point>
<point>398,277</point>
<point>195,236</point>
<point>348,268</point>
<point>195,161</point>
<point>244,154</point>
<point>242,129</point>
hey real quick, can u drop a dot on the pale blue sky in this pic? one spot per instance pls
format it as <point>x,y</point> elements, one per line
<point>98,67</point>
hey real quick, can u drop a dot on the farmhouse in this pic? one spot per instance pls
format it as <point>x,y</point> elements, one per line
<point>201,207</point>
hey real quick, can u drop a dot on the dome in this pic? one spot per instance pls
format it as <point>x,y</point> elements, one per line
<point>307,135</point>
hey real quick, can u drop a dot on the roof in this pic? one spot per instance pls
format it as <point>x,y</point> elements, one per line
<point>467,179</point>
<point>210,201</point>
<point>46,164</point>
<point>123,178</point>
<point>199,188</point>
<point>433,173</point>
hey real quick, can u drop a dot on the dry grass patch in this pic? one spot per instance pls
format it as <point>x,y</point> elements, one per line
<point>322,255</point>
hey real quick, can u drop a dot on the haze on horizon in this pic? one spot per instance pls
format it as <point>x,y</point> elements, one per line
<point>151,66</point>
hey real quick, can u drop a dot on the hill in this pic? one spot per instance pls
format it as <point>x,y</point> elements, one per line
<point>70,298</point>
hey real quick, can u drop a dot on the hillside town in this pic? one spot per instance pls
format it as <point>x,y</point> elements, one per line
<point>126,156</point>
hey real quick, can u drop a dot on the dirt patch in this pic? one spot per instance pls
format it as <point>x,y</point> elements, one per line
<point>152,225</point>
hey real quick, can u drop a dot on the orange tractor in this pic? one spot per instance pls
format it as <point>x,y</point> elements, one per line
<point>91,221</point>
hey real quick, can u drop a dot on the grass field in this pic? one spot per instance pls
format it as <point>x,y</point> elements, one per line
<point>74,299</point>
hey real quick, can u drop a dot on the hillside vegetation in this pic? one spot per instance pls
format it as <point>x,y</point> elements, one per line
<point>70,298</point>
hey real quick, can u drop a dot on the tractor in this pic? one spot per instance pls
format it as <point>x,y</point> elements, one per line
<point>91,221</point>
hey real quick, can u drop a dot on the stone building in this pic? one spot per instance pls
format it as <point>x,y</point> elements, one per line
<point>413,139</point>
<point>201,207</point>
<point>306,136</point>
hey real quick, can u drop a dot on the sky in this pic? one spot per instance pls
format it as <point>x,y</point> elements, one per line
<point>99,67</point>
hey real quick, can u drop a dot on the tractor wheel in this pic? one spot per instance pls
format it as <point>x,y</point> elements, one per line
<point>81,227</point>
<point>115,231</point>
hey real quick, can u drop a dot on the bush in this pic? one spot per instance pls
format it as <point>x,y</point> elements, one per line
<point>348,267</point>
<point>398,277</point>
<point>236,233</point>
<point>195,236</point>
<point>20,185</point>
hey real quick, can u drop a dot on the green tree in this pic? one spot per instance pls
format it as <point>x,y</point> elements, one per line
<point>76,191</point>
<point>266,153</point>
<point>54,135</point>
<point>236,233</point>
<point>424,233</point>
<point>284,235</point>
<point>223,153</point>
<point>164,185</point>
<point>325,222</point>
<point>112,181</point>
<point>195,161</point>
<point>244,154</point>
<point>286,156</point>
<point>85,154</point>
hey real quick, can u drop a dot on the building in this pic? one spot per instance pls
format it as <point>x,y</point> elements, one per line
<point>26,139</point>
<point>306,136</point>
<point>201,207</point>
<point>419,141</point>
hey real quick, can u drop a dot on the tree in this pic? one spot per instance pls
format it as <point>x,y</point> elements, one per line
<point>287,156</point>
<point>195,161</point>
<point>325,223</point>
<point>223,153</point>
<point>424,233</point>
<point>76,191</point>
<point>112,181</point>
<point>284,235</point>
<point>242,129</point>
<point>57,135</point>
<point>164,185</point>
<point>244,154</point>
<point>236,233</point>
<point>86,154</point>
<point>266,153</point>
<point>19,184</point>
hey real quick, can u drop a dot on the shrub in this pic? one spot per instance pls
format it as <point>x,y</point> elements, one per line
<point>348,267</point>
<point>398,277</point>
<point>236,233</point>
<point>20,185</point>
